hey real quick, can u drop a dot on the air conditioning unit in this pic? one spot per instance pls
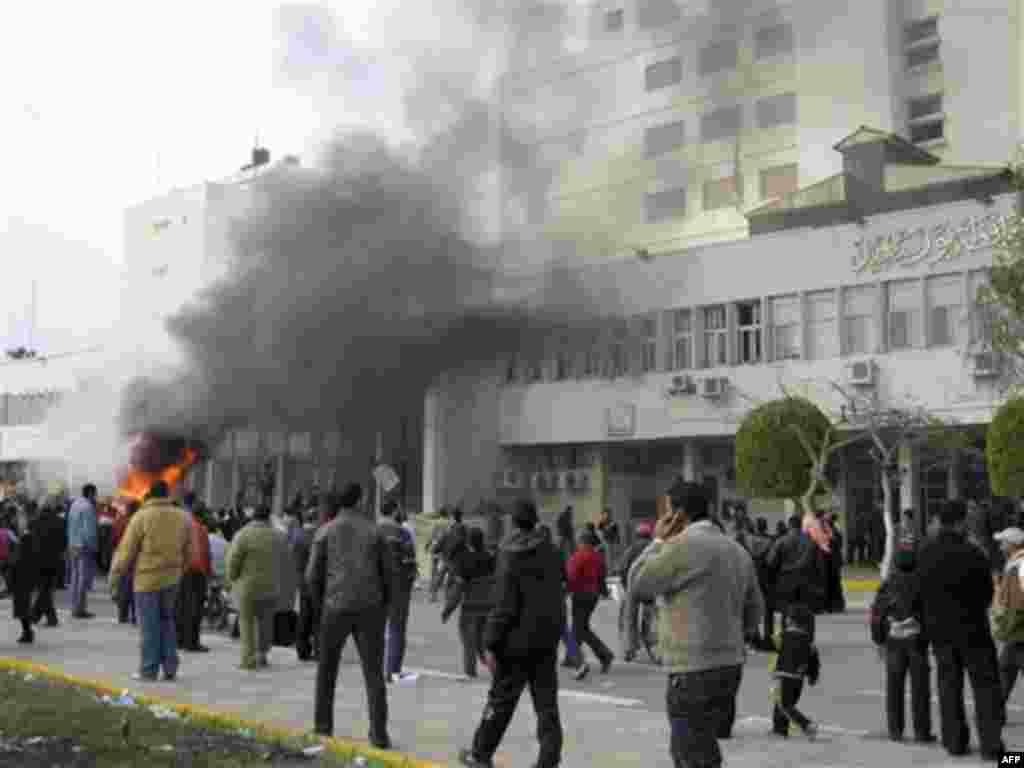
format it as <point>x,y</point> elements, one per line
<point>510,479</point>
<point>861,373</point>
<point>553,481</point>
<point>537,480</point>
<point>577,481</point>
<point>984,365</point>
<point>681,385</point>
<point>714,387</point>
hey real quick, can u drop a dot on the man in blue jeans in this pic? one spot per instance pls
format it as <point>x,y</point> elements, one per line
<point>156,544</point>
<point>712,604</point>
<point>83,546</point>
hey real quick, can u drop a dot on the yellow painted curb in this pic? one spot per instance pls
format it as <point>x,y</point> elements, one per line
<point>861,585</point>
<point>223,720</point>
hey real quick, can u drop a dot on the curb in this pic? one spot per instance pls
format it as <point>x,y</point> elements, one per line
<point>222,720</point>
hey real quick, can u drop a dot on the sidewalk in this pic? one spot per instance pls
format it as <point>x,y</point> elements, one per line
<point>436,714</point>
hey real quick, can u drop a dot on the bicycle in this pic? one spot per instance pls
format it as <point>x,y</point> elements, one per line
<point>219,607</point>
<point>648,628</point>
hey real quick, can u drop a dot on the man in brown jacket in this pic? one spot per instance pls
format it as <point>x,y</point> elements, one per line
<point>349,576</point>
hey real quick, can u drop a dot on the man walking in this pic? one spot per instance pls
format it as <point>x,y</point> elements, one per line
<point>521,641</point>
<point>350,577</point>
<point>434,542</point>
<point>403,560</point>
<point>712,604</point>
<point>955,589</point>
<point>83,546</point>
<point>157,543</point>
<point>306,645</point>
<point>629,611</point>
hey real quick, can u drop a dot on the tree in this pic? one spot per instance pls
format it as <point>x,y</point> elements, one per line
<point>1004,296</point>
<point>1004,451</point>
<point>890,428</point>
<point>783,451</point>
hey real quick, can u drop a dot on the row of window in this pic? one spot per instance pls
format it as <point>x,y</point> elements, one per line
<point>26,409</point>
<point>721,56</point>
<point>937,311</point>
<point>722,124</point>
<point>921,49</point>
<point>719,193</point>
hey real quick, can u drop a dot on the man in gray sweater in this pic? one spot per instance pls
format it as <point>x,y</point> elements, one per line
<point>710,605</point>
<point>349,577</point>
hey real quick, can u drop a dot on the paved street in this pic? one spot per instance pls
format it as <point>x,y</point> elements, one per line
<point>613,720</point>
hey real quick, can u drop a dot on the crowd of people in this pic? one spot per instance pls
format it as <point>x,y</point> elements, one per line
<point>327,571</point>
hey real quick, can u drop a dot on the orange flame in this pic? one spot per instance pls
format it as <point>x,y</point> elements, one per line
<point>138,482</point>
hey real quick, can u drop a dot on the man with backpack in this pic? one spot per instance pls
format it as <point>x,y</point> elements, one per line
<point>403,560</point>
<point>897,631</point>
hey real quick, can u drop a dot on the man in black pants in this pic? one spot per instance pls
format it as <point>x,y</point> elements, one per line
<point>306,637</point>
<point>51,539</point>
<point>521,641</point>
<point>954,586</point>
<point>349,575</point>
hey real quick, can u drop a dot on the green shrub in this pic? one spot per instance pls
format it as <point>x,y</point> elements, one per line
<point>1004,449</point>
<point>771,462</point>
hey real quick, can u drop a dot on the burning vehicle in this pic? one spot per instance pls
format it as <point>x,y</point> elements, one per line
<point>156,456</point>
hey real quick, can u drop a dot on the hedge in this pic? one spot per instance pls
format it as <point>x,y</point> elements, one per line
<point>1004,449</point>
<point>771,461</point>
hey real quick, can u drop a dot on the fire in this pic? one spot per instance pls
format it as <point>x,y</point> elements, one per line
<point>138,482</point>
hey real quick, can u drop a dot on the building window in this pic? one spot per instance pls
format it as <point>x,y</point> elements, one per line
<point>944,307</point>
<point>720,193</point>
<point>716,339</point>
<point>592,363</point>
<point>720,125</point>
<point>786,343</point>
<point>925,118</point>
<point>512,372</point>
<point>682,339</point>
<point>614,20</point>
<point>618,353</point>
<point>859,319</point>
<point>667,204</point>
<point>718,57</point>
<point>983,316</point>
<point>776,110</point>
<point>648,344</point>
<point>822,338</point>
<point>748,315</point>
<point>659,139</point>
<point>773,41</point>
<point>563,362</point>
<point>535,371</point>
<point>779,181</point>
<point>662,74</point>
<point>904,317</point>
<point>921,42</point>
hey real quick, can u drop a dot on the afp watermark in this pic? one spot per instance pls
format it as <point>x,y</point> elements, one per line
<point>1012,757</point>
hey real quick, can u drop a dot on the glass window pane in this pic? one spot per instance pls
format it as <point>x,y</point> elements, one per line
<point>659,139</point>
<point>721,124</point>
<point>663,74</point>
<point>772,41</point>
<point>776,110</point>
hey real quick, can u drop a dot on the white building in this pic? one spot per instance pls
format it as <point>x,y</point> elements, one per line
<point>868,279</point>
<point>676,117</point>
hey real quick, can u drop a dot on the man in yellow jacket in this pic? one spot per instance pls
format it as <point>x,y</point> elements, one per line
<point>156,545</point>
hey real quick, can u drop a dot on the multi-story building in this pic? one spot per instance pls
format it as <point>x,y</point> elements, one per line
<point>867,280</point>
<point>674,118</point>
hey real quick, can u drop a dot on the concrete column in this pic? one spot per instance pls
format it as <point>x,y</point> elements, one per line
<point>279,486</point>
<point>211,476</point>
<point>236,471</point>
<point>692,471</point>
<point>433,452</point>
<point>909,462</point>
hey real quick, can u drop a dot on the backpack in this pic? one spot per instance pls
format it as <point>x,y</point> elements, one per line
<point>892,617</point>
<point>403,553</point>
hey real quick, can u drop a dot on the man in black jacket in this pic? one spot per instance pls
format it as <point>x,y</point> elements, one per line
<point>349,575</point>
<point>798,569</point>
<point>954,586</point>
<point>51,541</point>
<point>306,635</point>
<point>521,641</point>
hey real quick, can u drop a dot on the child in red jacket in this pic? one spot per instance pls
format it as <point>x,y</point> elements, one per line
<point>586,571</point>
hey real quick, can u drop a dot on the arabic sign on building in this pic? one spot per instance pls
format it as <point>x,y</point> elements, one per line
<point>928,245</point>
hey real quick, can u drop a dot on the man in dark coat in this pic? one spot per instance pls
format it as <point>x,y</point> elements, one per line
<point>521,641</point>
<point>24,574</point>
<point>954,586</point>
<point>306,636</point>
<point>798,568</point>
<point>51,542</point>
<point>349,575</point>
